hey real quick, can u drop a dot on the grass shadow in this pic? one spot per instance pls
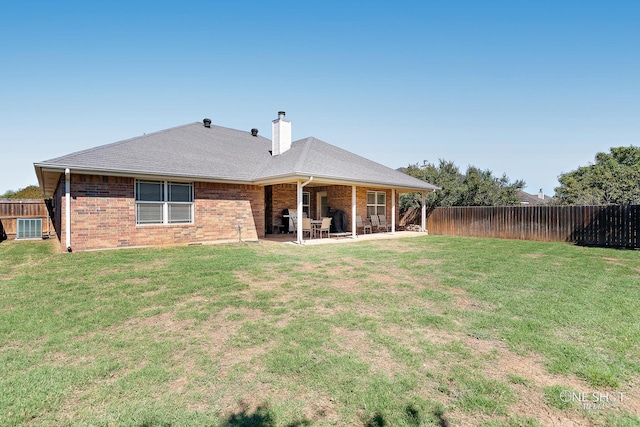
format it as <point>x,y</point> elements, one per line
<point>412,418</point>
<point>376,421</point>
<point>261,417</point>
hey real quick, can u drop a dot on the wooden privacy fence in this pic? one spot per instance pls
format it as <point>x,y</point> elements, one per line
<point>25,210</point>
<point>611,225</point>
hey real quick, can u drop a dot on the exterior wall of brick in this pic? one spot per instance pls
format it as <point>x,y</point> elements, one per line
<point>103,212</point>
<point>103,215</point>
<point>283,196</point>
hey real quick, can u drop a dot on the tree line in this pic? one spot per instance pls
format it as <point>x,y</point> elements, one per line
<point>475,187</point>
<point>614,178</point>
<point>30,192</point>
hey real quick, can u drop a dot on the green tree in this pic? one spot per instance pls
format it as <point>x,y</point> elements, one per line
<point>445,175</point>
<point>30,192</point>
<point>476,187</point>
<point>614,178</point>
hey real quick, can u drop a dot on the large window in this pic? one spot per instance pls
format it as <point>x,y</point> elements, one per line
<point>164,202</point>
<point>376,203</point>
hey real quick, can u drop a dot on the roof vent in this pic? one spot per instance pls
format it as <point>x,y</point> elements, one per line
<point>207,123</point>
<point>254,132</point>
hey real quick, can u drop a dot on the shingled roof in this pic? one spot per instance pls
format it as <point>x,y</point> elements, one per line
<point>216,153</point>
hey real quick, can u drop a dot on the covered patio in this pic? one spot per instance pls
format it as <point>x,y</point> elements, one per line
<point>287,204</point>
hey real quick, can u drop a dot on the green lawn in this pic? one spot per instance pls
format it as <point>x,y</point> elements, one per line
<point>427,331</point>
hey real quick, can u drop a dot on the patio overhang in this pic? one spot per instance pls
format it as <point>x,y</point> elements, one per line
<point>327,180</point>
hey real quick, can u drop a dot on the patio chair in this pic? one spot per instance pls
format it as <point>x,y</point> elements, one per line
<point>364,225</point>
<point>325,227</point>
<point>277,227</point>
<point>306,227</point>
<point>383,223</point>
<point>375,224</point>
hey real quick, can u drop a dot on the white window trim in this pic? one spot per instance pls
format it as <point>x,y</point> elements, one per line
<point>165,202</point>
<point>306,207</point>
<point>375,204</point>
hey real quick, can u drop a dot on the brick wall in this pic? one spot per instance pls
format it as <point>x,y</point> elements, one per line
<point>283,196</point>
<point>103,215</point>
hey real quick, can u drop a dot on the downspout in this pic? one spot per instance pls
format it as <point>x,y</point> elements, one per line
<point>393,210</point>
<point>307,182</point>
<point>354,212</point>
<point>67,209</point>
<point>299,219</point>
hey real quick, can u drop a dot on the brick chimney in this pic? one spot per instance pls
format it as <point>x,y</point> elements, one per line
<point>281,135</point>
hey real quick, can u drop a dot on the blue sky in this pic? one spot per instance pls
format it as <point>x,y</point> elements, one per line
<point>527,88</point>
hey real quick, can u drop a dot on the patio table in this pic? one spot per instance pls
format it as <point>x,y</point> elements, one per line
<point>315,226</point>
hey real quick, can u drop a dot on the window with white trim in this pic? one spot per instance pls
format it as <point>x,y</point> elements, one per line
<point>306,203</point>
<point>376,203</point>
<point>164,202</point>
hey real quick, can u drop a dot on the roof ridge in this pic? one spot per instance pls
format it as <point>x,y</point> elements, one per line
<point>305,152</point>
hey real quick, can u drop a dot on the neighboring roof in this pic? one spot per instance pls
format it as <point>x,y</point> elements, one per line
<point>196,152</point>
<point>530,199</point>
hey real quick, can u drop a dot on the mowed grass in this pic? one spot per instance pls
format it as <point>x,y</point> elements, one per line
<point>427,331</point>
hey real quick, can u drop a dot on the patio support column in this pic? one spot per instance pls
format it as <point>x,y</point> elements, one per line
<point>393,210</point>
<point>423,224</point>
<point>301,185</point>
<point>299,216</point>
<point>354,233</point>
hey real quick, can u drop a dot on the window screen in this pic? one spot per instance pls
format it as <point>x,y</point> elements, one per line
<point>179,213</point>
<point>180,192</point>
<point>149,191</point>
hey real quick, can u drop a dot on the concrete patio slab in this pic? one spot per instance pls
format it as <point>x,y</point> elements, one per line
<point>291,238</point>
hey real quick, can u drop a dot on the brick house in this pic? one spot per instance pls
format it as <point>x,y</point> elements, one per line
<point>201,183</point>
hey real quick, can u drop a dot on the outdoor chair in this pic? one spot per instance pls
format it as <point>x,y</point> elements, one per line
<point>362,224</point>
<point>375,222</point>
<point>306,227</point>
<point>325,227</point>
<point>277,227</point>
<point>383,223</point>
